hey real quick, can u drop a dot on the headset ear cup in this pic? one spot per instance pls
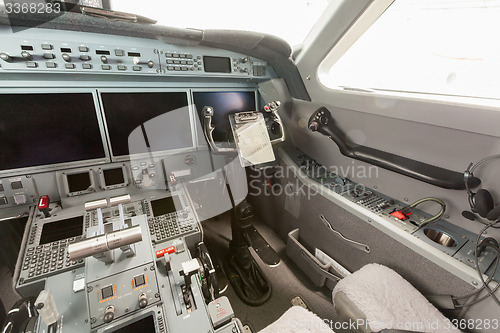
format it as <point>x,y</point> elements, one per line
<point>483,202</point>
<point>494,214</point>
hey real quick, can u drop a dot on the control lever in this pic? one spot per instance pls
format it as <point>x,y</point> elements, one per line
<point>100,222</point>
<point>208,128</point>
<point>128,249</point>
<point>164,260</point>
<point>43,205</point>
<point>190,268</point>
<point>104,243</point>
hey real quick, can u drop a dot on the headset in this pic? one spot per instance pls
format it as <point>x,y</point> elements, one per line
<point>481,202</point>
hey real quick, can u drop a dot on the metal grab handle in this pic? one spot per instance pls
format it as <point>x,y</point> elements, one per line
<point>358,245</point>
<point>208,129</point>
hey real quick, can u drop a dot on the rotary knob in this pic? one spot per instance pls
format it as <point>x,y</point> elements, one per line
<point>143,301</point>
<point>5,57</point>
<point>66,57</point>
<point>314,126</point>
<point>26,55</point>
<point>109,314</point>
<point>189,159</point>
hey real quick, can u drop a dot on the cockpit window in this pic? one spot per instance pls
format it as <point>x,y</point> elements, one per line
<point>290,20</point>
<point>440,47</point>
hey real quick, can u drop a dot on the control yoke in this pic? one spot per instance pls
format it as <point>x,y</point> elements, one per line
<point>208,127</point>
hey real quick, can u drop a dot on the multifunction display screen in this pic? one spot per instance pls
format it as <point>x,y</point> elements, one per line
<point>45,129</point>
<point>59,230</point>
<point>147,122</point>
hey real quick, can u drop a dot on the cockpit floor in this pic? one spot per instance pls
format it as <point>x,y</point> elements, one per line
<point>7,295</point>
<point>287,280</point>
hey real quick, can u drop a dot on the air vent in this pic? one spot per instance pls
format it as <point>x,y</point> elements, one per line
<point>134,54</point>
<point>26,48</point>
<point>65,49</point>
<point>102,52</point>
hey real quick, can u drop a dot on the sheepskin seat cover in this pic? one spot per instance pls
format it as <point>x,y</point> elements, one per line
<point>391,302</point>
<point>298,320</point>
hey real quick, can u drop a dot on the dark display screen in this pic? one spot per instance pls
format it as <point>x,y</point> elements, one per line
<point>44,129</point>
<point>224,104</point>
<point>147,122</point>
<point>165,205</point>
<point>144,325</point>
<point>78,181</point>
<point>56,231</point>
<point>217,64</point>
<point>113,176</point>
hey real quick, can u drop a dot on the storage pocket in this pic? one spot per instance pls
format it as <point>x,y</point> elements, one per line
<point>316,271</point>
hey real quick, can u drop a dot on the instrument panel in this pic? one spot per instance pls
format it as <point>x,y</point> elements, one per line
<point>139,285</point>
<point>74,52</point>
<point>107,130</point>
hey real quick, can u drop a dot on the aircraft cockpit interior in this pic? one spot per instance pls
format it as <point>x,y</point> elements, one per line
<point>242,167</point>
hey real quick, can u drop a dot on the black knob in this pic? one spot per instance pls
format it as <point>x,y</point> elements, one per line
<point>5,57</point>
<point>323,120</point>
<point>313,126</point>
<point>109,314</point>
<point>26,55</point>
<point>143,301</point>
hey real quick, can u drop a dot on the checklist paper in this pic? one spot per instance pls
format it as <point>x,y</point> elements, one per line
<point>252,140</point>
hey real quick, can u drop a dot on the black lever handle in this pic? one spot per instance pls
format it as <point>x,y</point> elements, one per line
<point>322,121</point>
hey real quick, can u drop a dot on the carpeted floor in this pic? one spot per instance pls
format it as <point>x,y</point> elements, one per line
<point>7,295</point>
<point>287,280</point>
